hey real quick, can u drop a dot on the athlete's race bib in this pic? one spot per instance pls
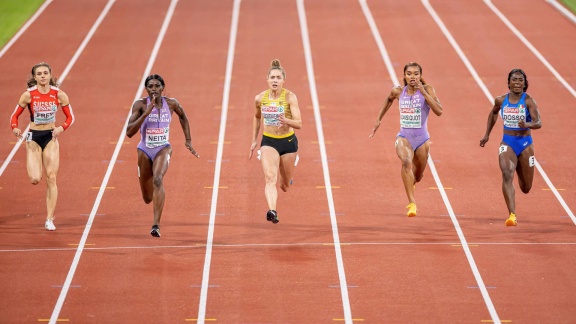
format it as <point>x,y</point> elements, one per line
<point>272,114</point>
<point>512,115</point>
<point>157,137</point>
<point>45,113</point>
<point>411,117</point>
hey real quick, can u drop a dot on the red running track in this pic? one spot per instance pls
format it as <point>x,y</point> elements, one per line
<point>396,270</point>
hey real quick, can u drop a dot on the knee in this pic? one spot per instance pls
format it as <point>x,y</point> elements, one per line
<point>270,179</point>
<point>35,180</point>
<point>147,199</point>
<point>51,179</point>
<point>525,188</point>
<point>157,180</point>
<point>406,164</point>
<point>418,177</point>
<point>285,187</point>
<point>507,175</point>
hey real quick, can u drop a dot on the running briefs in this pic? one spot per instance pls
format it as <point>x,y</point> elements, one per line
<point>41,137</point>
<point>517,143</point>
<point>284,145</point>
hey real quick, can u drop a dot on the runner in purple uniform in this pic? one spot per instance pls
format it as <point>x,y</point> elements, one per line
<point>416,99</point>
<point>152,115</point>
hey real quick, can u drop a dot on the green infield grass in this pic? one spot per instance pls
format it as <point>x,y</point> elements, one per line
<point>13,14</point>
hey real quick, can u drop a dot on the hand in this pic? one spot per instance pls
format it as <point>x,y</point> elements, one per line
<point>17,132</point>
<point>283,120</point>
<point>252,147</point>
<point>484,141</point>
<point>375,129</point>
<point>191,149</point>
<point>56,131</point>
<point>522,124</point>
<point>150,106</point>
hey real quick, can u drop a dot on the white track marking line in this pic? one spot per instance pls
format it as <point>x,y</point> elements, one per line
<point>64,73</point>
<point>530,46</point>
<point>322,146</point>
<point>25,27</point>
<point>465,247</point>
<point>563,10</point>
<point>267,245</point>
<point>76,260</point>
<point>221,135</point>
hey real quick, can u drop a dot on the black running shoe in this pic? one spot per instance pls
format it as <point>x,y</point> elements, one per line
<point>155,231</point>
<point>272,216</point>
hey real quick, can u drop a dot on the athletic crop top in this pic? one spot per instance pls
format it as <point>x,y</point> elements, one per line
<point>513,113</point>
<point>155,130</point>
<point>272,109</point>
<point>43,107</point>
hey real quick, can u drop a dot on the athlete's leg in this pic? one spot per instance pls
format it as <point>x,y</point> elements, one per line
<point>34,162</point>
<point>525,169</point>
<point>51,160</point>
<point>286,170</point>
<point>145,176</point>
<point>420,161</point>
<point>270,163</point>
<point>160,167</point>
<point>406,155</point>
<point>508,161</point>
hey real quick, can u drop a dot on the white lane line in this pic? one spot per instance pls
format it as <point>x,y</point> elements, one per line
<point>78,254</point>
<point>563,10</point>
<point>25,27</point>
<point>322,146</point>
<point>221,135</point>
<point>267,245</point>
<point>64,74</point>
<point>530,46</point>
<point>465,247</point>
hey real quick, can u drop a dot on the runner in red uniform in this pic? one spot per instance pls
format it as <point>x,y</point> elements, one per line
<point>42,98</point>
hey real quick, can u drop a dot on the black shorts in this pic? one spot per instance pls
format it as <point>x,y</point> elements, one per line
<point>41,137</point>
<point>283,145</point>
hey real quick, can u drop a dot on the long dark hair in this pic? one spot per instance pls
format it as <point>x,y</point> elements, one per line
<point>32,82</point>
<point>523,74</point>
<point>419,68</point>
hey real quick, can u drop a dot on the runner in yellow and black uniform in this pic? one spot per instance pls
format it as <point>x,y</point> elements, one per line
<point>277,108</point>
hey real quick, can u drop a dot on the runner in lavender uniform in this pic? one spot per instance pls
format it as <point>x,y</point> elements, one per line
<point>152,116</point>
<point>416,99</point>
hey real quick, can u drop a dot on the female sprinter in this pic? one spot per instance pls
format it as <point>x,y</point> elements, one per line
<point>278,109</point>
<point>416,99</point>
<point>516,154</point>
<point>42,98</point>
<point>152,115</point>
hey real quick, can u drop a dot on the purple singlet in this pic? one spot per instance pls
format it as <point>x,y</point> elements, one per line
<point>155,130</point>
<point>414,118</point>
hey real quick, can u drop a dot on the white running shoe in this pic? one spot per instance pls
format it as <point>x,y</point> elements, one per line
<point>49,225</point>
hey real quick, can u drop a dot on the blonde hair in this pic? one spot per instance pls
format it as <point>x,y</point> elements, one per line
<point>275,65</point>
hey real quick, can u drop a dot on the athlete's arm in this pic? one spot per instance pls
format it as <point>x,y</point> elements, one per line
<point>536,123</point>
<point>431,98</point>
<point>296,121</point>
<point>394,94</point>
<point>256,123</point>
<point>177,108</point>
<point>492,117</point>
<point>22,103</point>
<point>67,110</point>
<point>137,117</point>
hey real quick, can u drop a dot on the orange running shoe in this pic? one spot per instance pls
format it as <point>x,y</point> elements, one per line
<point>411,210</point>
<point>511,221</point>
